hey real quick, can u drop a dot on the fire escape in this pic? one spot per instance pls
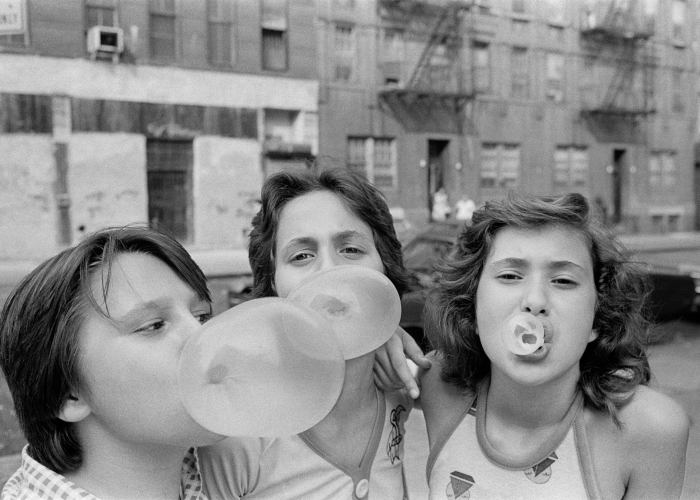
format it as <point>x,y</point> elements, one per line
<point>620,41</point>
<point>433,97</point>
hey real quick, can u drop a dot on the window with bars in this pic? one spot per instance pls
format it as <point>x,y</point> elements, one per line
<point>500,165</point>
<point>481,67</point>
<point>162,40</point>
<point>373,158</point>
<point>221,41</point>
<point>663,174</point>
<point>344,52</point>
<point>274,35</point>
<point>520,76</point>
<point>570,170</point>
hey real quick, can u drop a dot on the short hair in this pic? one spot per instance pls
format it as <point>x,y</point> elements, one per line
<point>612,365</point>
<point>360,197</point>
<point>39,328</point>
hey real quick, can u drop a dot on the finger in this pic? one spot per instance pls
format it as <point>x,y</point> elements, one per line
<point>412,350</point>
<point>400,366</point>
<point>383,381</point>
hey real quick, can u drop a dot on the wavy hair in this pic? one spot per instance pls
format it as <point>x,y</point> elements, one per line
<point>40,326</point>
<point>612,365</point>
<point>361,198</point>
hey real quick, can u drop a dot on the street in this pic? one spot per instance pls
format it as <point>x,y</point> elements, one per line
<point>675,366</point>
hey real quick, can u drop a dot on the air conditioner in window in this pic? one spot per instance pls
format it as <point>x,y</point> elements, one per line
<point>107,40</point>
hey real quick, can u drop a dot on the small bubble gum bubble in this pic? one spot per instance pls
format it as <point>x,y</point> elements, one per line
<point>524,334</point>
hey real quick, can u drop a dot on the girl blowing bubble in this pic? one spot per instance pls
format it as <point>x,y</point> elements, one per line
<point>538,385</point>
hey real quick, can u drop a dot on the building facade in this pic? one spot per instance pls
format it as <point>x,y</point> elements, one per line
<point>167,112</point>
<point>471,99</point>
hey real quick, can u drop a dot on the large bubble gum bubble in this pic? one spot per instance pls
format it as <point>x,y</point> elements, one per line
<point>524,334</point>
<point>361,304</point>
<point>264,368</point>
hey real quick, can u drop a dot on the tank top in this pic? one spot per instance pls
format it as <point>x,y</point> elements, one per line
<point>464,465</point>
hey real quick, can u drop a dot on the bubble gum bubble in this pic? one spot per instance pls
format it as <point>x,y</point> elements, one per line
<point>524,334</point>
<point>265,368</point>
<point>361,304</point>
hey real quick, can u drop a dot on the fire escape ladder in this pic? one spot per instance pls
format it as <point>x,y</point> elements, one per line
<point>443,33</point>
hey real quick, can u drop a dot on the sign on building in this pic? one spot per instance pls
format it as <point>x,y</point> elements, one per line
<point>12,17</point>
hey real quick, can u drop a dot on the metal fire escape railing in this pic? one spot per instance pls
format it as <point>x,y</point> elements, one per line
<point>436,82</point>
<point>626,43</point>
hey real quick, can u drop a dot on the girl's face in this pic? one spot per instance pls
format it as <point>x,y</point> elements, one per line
<point>316,232</point>
<point>547,273</point>
<point>128,361</point>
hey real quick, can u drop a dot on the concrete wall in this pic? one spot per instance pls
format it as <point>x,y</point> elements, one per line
<point>106,181</point>
<point>227,182</point>
<point>28,214</point>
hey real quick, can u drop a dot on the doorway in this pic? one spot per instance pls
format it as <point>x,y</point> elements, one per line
<point>618,167</point>
<point>437,166</point>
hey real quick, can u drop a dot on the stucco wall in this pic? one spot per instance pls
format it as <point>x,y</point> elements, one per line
<point>106,181</point>
<point>227,178</point>
<point>28,215</point>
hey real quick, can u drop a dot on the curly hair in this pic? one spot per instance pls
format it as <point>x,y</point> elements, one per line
<point>40,325</point>
<point>363,200</point>
<point>613,364</point>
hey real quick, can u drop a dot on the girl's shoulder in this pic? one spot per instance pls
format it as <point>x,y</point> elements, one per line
<point>646,453</point>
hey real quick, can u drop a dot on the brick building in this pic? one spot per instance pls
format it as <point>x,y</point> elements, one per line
<point>479,97</point>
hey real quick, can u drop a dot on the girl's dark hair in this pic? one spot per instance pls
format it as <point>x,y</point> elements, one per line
<point>39,329</point>
<point>363,199</point>
<point>612,365</point>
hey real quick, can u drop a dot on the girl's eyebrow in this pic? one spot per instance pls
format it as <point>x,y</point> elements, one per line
<point>345,236</point>
<point>523,263</point>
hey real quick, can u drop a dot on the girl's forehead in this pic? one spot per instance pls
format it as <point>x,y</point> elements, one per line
<point>317,212</point>
<point>547,242</point>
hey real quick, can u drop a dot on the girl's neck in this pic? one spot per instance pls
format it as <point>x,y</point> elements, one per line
<point>530,406</point>
<point>117,470</point>
<point>358,386</point>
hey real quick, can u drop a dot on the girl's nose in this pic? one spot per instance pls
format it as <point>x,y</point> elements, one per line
<point>534,299</point>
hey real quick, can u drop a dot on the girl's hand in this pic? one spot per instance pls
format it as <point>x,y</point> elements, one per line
<point>397,363</point>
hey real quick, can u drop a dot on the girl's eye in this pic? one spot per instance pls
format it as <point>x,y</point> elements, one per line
<point>203,317</point>
<point>301,257</point>
<point>352,251</point>
<point>152,327</point>
<point>508,276</point>
<point>564,282</point>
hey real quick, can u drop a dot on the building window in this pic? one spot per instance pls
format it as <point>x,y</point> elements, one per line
<point>500,165</point>
<point>169,181</point>
<point>570,168</point>
<point>344,52</point>
<point>678,15</point>
<point>520,77</point>
<point>274,35</point>
<point>221,42</point>
<point>99,14</point>
<point>162,30</point>
<point>373,158</point>
<point>392,56</point>
<point>520,26</point>
<point>677,105</point>
<point>554,85</point>
<point>14,24</point>
<point>553,10</point>
<point>481,67</point>
<point>663,174</point>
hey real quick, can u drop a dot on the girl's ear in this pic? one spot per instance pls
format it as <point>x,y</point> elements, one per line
<point>593,335</point>
<point>74,409</point>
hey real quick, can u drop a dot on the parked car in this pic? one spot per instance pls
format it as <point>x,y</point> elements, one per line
<point>673,289</point>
